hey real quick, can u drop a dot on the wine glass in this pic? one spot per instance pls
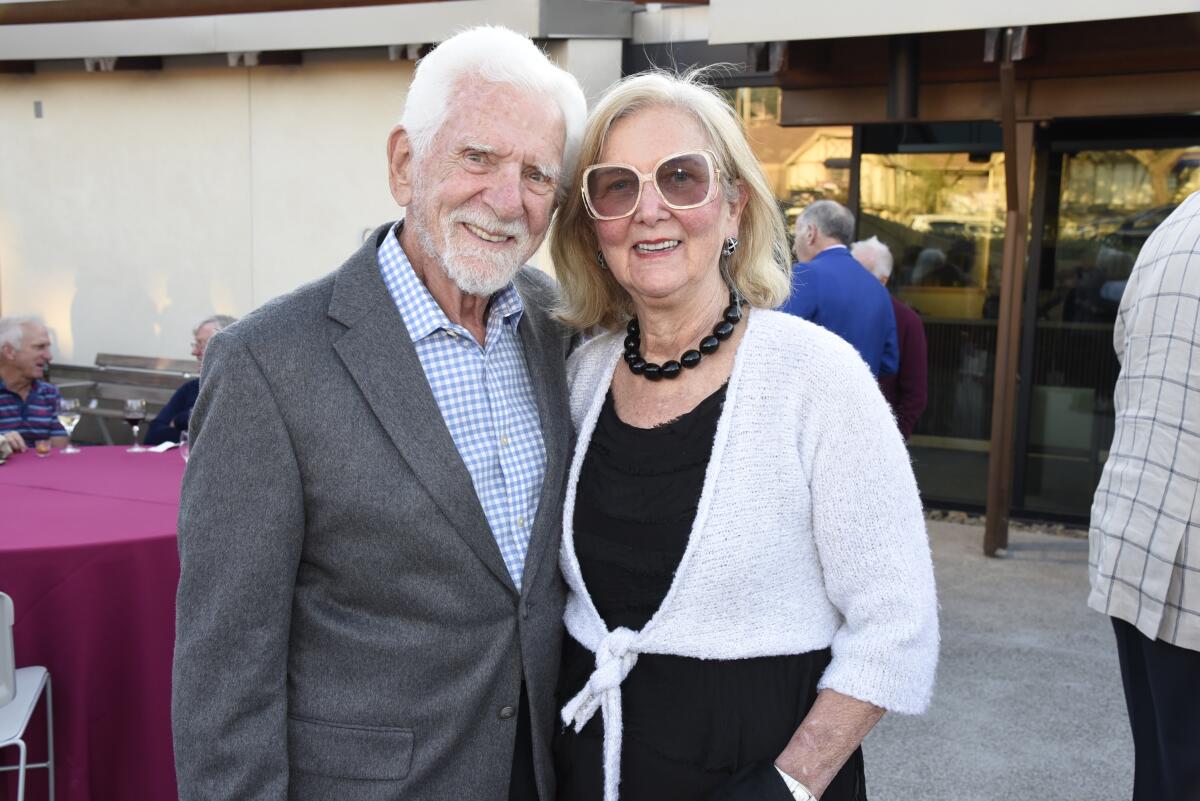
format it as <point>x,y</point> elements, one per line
<point>68,416</point>
<point>184,446</point>
<point>135,413</point>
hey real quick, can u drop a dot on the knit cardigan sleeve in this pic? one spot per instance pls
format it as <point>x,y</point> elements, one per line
<point>869,530</point>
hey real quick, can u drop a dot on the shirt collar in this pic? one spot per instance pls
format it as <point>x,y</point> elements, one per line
<point>421,314</point>
<point>34,386</point>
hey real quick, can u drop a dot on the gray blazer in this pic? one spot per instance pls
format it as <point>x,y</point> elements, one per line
<point>346,628</point>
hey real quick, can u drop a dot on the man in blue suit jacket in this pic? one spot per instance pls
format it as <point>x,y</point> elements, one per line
<point>833,290</point>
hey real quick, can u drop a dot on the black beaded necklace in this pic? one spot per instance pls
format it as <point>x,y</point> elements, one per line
<point>690,358</point>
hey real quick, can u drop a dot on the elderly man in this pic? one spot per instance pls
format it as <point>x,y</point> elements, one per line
<point>28,403</point>
<point>833,290</point>
<point>369,605</point>
<point>1144,561</point>
<point>172,420</point>
<point>907,391</point>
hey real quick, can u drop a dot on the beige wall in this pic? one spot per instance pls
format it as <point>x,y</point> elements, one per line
<point>142,202</point>
<point>318,139</point>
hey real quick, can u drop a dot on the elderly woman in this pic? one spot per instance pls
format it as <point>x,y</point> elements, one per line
<point>746,599</point>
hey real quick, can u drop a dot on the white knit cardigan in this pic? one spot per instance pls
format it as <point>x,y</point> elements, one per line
<point>808,534</point>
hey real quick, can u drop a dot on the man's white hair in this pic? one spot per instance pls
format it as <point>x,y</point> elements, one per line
<point>874,255</point>
<point>491,54</point>
<point>830,218</point>
<point>219,321</point>
<point>12,329</point>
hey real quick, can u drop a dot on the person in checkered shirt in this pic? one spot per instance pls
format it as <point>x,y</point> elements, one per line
<point>1144,560</point>
<point>369,599</point>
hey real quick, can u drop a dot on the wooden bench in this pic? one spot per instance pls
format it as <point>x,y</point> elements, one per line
<point>103,389</point>
<point>188,368</point>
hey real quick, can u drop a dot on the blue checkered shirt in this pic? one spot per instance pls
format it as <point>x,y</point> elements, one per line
<point>485,397</point>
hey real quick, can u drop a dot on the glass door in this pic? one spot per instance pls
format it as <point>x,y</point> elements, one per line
<point>940,209</point>
<point>1102,204</point>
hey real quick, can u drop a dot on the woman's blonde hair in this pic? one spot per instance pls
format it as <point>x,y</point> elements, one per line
<point>760,268</point>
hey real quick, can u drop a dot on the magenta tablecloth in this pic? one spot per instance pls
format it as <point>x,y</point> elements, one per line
<point>88,554</point>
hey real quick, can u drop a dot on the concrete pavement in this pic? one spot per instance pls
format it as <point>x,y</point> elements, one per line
<point>1028,703</point>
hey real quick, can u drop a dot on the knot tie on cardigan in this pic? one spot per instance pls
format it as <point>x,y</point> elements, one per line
<point>614,659</point>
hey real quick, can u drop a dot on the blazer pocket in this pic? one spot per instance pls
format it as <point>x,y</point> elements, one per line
<point>347,751</point>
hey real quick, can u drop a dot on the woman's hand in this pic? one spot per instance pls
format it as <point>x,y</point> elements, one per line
<point>833,728</point>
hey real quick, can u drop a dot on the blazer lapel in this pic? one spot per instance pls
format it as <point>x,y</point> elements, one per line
<point>545,358</point>
<point>378,353</point>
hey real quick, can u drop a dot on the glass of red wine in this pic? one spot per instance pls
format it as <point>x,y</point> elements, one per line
<point>135,413</point>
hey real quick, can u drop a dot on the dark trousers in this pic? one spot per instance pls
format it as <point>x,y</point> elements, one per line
<point>1162,693</point>
<point>523,784</point>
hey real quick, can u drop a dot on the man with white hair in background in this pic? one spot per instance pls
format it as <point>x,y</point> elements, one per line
<point>907,391</point>
<point>28,403</point>
<point>173,419</point>
<point>369,603</point>
<point>834,291</point>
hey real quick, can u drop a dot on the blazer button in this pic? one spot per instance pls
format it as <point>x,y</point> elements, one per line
<point>506,712</point>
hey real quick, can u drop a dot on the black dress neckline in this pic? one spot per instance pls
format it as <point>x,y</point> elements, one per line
<point>700,410</point>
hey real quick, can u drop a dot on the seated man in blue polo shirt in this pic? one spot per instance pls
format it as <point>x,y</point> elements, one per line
<point>28,403</point>
<point>834,291</point>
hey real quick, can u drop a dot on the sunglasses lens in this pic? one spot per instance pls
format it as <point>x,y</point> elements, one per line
<point>684,180</point>
<point>613,191</point>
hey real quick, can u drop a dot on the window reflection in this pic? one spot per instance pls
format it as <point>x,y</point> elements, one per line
<point>1109,202</point>
<point>802,164</point>
<point>943,216</point>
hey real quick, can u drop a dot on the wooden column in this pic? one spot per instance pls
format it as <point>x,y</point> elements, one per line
<point>854,191</point>
<point>1018,157</point>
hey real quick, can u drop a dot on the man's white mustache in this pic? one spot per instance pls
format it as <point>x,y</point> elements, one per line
<point>489,223</point>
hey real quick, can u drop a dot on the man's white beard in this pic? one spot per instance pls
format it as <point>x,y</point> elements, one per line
<point>476,270</point>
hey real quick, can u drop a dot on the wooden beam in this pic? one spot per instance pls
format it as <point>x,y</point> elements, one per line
<point>1018,158</point>
<point>1080,50</point>
<point>98,10</point>
<point>833,106</point>
<point>854,191</point>
<point>1064,98</point>
<point>904,82</point>
<point>139,63</point>
<point>1117,95</point>
<point>280,58</point>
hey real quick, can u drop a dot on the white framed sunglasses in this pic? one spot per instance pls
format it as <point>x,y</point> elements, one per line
<point>683,181</point>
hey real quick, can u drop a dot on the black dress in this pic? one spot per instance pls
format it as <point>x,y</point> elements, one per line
<point>689,724</point>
